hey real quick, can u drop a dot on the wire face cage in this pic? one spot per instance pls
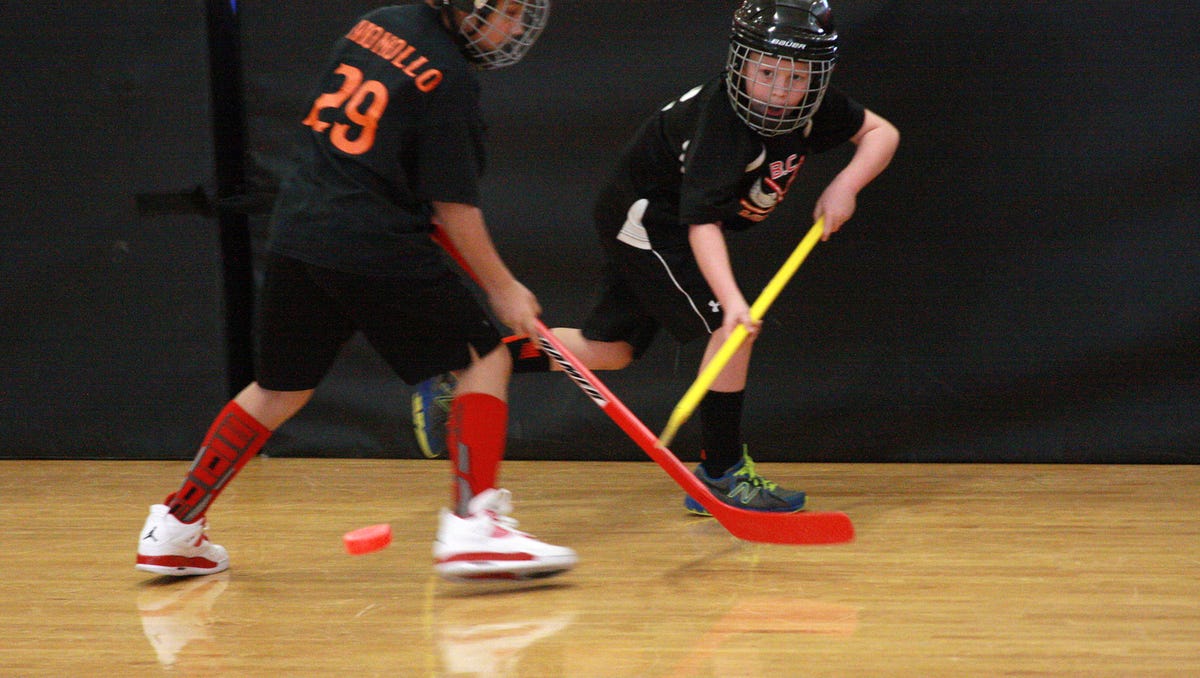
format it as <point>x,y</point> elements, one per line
<point>775,94</point>
<point>498,33</point>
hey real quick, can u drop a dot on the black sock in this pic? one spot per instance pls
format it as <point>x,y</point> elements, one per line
<point>527,355</point>
<point>721,431</point>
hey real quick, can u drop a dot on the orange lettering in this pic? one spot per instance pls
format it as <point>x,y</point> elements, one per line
<point>389,45</point>
<point>429,80</point>
<point>356,33</point>
<point>411,69</point>
<point>398,61</point>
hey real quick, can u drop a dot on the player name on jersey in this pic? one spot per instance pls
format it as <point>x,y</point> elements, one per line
<point>395,49</point>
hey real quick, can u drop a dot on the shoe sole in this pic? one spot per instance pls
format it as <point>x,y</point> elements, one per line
<point>484,570</point>
<point>180,570</point>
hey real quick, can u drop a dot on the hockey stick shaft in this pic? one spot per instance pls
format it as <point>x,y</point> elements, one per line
<point>756,526</point>
<point>699,388</point>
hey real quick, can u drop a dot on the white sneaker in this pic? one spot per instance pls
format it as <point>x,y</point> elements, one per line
<point>488,545</point>
<point>168,546</point>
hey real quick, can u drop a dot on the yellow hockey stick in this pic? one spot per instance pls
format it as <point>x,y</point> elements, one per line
<point>691,399</point>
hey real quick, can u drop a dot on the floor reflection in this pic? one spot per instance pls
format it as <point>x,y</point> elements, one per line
<point>714,654</point>
<point>178,613</point>
<point>493,649</point>
<point>490,633</point>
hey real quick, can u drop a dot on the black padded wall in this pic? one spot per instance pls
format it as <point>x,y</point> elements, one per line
<point>112,336</point>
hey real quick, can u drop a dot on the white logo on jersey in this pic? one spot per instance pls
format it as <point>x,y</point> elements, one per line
<point>766,193</point>
<point>757,162</point>
<point>761,198</point>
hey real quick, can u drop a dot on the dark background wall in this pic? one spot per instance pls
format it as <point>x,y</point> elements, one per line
<point>1023,284</point>
<point>111,326</point>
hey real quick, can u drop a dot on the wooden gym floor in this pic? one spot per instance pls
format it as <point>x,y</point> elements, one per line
<point>958,570</point>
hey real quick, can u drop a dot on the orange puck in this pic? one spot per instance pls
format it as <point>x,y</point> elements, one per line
<point>367,539</point>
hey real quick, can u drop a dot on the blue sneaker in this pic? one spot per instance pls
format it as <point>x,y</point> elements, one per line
<point>430,411</point>
<point>741,486</point>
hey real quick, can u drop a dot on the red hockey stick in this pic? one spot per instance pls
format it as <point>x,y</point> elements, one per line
<point>757,526</point>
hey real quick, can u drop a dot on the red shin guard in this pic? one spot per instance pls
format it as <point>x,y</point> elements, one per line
<point>232,440</point>
<point>476,434</point>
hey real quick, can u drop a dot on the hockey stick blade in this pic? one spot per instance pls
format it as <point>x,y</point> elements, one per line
<point>757,526</point>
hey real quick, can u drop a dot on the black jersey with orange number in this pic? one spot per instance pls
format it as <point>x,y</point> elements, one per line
<point>394,124</point>
<point>696,162</point>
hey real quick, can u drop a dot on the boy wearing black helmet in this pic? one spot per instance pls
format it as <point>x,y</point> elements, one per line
<point>721,157</point>
<point>393,143</point>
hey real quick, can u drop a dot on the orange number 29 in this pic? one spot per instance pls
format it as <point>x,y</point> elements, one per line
<point>352,97</point>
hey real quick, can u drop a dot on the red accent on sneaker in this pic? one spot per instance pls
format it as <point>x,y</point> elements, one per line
<point>175,561</point>
<point>484,555</point>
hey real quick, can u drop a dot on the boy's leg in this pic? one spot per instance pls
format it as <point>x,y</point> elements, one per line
<point>477,429</point>
<point>425,329</point>
<point>721,431</point>
<point>431,401</point>
<point>173,539</point>
<point>726,467</point>
<point>478,539</point>
<point>431,398</point>
<point>233,439</point>
<point>300,333</point>
<point>721,409</point>
<point>527,354</point>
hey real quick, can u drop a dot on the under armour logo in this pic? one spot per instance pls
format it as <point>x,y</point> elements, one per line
<point>714,306</point>
<point>150,534</point>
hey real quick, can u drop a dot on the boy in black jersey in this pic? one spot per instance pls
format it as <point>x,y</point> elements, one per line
<point>394,144</point>
<point>720,157</point>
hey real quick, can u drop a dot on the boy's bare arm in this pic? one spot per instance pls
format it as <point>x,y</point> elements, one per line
<point>712,256</point>
<point>876,143</point>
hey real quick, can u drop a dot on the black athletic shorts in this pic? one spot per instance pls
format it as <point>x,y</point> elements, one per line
<point>648,289</point>
<point>307,313</point>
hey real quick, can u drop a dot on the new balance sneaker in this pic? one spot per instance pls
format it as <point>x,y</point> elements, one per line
<point>430,410</point>
<point>168,546</point>
<point>488,545</point>
<point>741,486</point>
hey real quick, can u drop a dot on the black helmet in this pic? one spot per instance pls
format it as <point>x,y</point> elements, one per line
<point>793,40</point>
<point>479,14</point>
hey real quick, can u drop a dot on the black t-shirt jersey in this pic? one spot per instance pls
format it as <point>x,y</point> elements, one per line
<point>696,162</point>
<point>395,124</point>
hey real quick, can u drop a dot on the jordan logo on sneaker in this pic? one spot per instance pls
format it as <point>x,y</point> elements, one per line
<point>150,534</point>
